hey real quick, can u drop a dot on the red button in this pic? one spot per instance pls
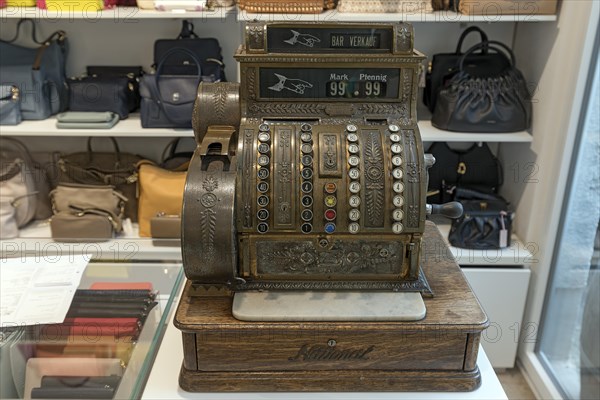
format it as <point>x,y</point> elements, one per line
<point>330,215</point>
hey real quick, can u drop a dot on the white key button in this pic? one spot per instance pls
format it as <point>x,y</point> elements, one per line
<point>353,160</point>
<point>354,187</point>
<point>353,228</point>
<point>353,148</point>
<point>397,227</point>
<point>397,214</point>
<point>354,173</point>
<point>398,201</point>
<point>394,137</point>
<point>393,128</point>
<point>396,161</point>
<point>397,173</point>
<point>396,148</point>
<point>352,137</point>
<point>398,187</point>
<point>354,215</point>
<point>354,201</point>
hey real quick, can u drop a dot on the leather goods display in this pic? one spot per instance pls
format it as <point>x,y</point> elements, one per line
<point>174,160</point>
<point>99,94</point>
<point>10,105</point>
<point>86,212</point>
<point>86,120</point>
<point>206,50</point>
<point>486,222</point>
<point>161,193</point>
<point>165,227</point>
<point>492,8</point>
<point>183,5</point>
<point>220,3</point>
<point>384,6</point>
<point>20,3</point>
<point>133,74</point>
<point>103,168</point>
<point>24,181</point>
<point>8,223</point>
<point>168,100</point>
<point>491,104</point>
<point>38,72</point>
<point>79,5</point>
<point>475,167</point>
<point>145,4</point>
<point>283,6</point>
<point>444,66</point>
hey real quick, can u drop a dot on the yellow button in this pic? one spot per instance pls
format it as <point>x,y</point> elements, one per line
<point>330,201</point>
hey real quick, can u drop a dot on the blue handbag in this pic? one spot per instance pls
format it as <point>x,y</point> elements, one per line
<point>38,72</point>
<point>10,105</point>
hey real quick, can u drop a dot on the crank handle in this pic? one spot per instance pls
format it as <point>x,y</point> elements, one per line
<point>451,210</point>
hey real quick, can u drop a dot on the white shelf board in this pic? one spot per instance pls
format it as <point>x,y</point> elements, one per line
<point>35,239</point>
<point>517,254</point>
<point>117,14</point>
<point>131,127</point>
<point>436,16</point>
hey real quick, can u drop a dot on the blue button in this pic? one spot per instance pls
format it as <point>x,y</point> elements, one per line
<point>329,227</point>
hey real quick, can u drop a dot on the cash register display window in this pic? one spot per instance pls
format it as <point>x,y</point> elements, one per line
<point>329,84</point>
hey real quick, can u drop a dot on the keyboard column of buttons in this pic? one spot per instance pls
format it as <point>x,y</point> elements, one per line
<point>397,174</point>
<point>354,175</point>
<point>264,171</point>
<point>306,159</point>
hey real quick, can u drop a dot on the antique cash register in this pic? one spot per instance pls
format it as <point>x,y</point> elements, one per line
<point>310,262</point>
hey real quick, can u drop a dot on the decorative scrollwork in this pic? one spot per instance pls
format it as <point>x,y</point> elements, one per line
<point>374,185</point>
<point>286,109</point>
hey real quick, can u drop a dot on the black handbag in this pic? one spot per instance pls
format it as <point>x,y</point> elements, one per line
<point>207,50</point>
<point>133,74</point>
<point>486,104</point>
<point>103,168</point>
<point>445,65</point>
<point>168,100</point>
<point>486,222</point>
<point>475,168</point>
<point>99,93</point>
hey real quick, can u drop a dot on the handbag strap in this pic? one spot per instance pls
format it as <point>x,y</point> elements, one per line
<point>467,31</point>
<point>115,145</point>
<point>491,45</point>
<point>21,148</point>
<point>18,30</point>
<point>187,30</point>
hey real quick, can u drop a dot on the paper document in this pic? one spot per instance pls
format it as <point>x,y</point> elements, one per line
<point>38,291</point>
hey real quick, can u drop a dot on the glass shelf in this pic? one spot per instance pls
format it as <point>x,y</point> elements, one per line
<point>28,353</point>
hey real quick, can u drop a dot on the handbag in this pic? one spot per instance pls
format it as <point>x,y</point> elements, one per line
<point>207,50</point>
<point>79,5</point>
<point>10,105</point>
<point>168,100</point>
<point>476,168</point>
<point>284,6</point>
<point>103,168</point>
<point>101,93</point>
<point>8,222</point>
<point>384,6</point>
<point>488,104</point>
<point>86,120</point>
<point>486,222</point>
<point>39,73</point>
<point>184,5</point>
<point>23,180</point>
<point>445,65</point>
<point>133,74</point>
<point>174,160</point>
<point>161,193</point>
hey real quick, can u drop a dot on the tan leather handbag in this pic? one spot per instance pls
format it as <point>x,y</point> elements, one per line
<point>160,193</point>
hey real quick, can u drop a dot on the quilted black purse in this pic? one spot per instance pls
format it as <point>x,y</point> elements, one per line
<point>494,104</point>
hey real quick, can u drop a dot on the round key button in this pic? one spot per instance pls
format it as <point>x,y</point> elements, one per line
<point>398,201</point>
<point>397,173</point>
<point>263,160</point>
<point>398,187</point>
<point>263,148</point>
<point>263,127</point>
<point>352,137</point>
<point>306,228</point>
<point>397,214</point>
<point>330,187</point>
<point>353,228</point>
<point>393,128</point>
<point>307,160</point>
<point>397,227</point>
<point>394,137</point>
<point>330,215</point>
<point>263,227</point>
<point>354,187</point>
<point>354,215</point>
<point>306,127</point>
<point>354,201</point>
<point>264,137</point>
<point>353,160</point>
<point>306,148</point>
<point>353,148</point>
<point>396,148</point>
<point>351,128</point>
<point>306,137</point>
<point>329,227</point>
<point>307,187</point>
<point>263,200</point>
<point>396,161</point>
<point>262,187</point>
<point>307,201</point>
<point>306,215</point>
<point>307,173</point>
<point>330,201</point>
<point>263,173</point>
<point>354,173</point>
<point>262,215</point>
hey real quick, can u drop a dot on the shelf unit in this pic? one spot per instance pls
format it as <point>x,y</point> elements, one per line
<point>128,14</point>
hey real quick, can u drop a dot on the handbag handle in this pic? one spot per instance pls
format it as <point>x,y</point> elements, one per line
<point>471,29</point>
<point>60,34</point>
<point>492,45</point>
<point>187,30</point>
<point>115,145</point>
